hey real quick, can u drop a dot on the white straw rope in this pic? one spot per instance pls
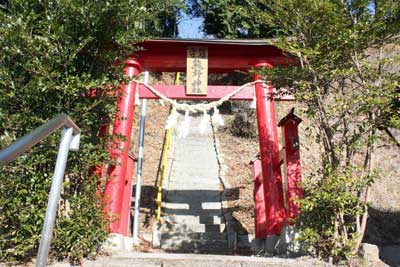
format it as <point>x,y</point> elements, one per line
<point>197,107</point>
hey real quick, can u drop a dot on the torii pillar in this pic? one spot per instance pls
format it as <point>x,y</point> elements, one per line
<point>119,151</point>
<point>269,150</point>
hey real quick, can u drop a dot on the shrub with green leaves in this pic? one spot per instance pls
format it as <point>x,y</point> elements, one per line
<point>346,77</point>
<point>328,212</point>
<point>51,54</point>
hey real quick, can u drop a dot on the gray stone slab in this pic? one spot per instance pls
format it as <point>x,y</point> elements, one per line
<point>390,254</point>
<point>192,185</point>
<point>202,246</point>
<point>175,206</point>
<point>193,219</point>
<point>197,212</point>
<point>192,228</point>
<point>208,172</point>
<point>194,201</point>
<point>193,163</point>
<point>197,236</point>
<point>195,260</point>
<point>198,179</point>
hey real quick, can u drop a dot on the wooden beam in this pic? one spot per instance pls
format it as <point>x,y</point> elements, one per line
<point>215,92</point>
<point>171,56</point>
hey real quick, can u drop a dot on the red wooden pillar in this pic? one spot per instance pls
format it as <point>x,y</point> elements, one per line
<point>290,138</point>
<point>127,199</point>
<point>269,150</point>
<point>259,203</point>
<point>114,190</point>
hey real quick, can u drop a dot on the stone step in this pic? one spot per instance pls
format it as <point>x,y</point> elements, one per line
<point>194,174</point>
<point>195,212</point>
<point>195,140</point>
<point>199,209</point>
<point>192,219</point>
<point>192,197</point>
<point>190,193</point>
<point>193,228</point>
<point>195,145</point>
<point>197,167</point>
<point>188,163</point>
<point>195,246</point>
<point>197,178</point>
<point>175,183</point>
<point>188,153</point>
<point>135,259</point>
<point>195,236</point>
<point>191,185</point>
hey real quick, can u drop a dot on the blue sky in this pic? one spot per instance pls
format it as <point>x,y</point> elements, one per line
<point>190,27</point>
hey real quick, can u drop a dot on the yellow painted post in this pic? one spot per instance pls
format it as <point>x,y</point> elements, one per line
<point>163,171</point>
<point>177,78</point>
<point>164,161</point>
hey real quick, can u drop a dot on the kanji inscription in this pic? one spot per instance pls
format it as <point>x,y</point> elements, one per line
<point>196,70</point>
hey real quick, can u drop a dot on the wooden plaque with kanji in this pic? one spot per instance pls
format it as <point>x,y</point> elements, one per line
<point>196,70</point>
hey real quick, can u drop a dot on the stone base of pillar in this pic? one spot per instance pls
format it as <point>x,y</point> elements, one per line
<point>259,246</point>
<point>156,238</point>
<point>283,244</point>
<point>287,242</point>
<point>270,245</point>
<point>117,242</point>
<point>266,247</point>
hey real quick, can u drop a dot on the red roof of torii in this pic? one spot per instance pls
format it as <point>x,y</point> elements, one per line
<point>169,55</point>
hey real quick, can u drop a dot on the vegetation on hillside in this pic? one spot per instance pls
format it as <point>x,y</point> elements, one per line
<point>346,77</point>
<point>52,53</point>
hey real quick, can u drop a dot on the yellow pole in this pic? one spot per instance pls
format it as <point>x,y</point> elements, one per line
<point>177,78</point>
<point>164,161</point>
<point>163,171</point>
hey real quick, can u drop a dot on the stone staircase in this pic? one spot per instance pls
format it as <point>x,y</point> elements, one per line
<point>192,260</point>
<point>192,210</point>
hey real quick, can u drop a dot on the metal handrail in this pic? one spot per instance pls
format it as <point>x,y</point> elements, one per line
<point>70,138</point>
<point>23,144</point>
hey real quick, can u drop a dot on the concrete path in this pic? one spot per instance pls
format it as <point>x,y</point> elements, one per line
<point>192,260</point>
<point>193,220</point>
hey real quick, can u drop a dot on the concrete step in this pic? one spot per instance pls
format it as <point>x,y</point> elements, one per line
<point>135,259</point>
<point>207,174</point>
<point>193,196</point>
<point>188,153</point>
<point>195,212</point>
<point>192,185</point>
<point>192,219</point>
<point>195,163</point>
<point>193,228</point>
<point>199,141</point>
<point>197,209</point>
<point>195,246</point>
<point>195,236</point>
<point>198,167</point>
<point>201,180</point>
<point>198,145</point>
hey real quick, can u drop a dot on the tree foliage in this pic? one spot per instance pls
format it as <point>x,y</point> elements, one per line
<point>233,18</point>
<point>346,76</point>
<point>52,53</point>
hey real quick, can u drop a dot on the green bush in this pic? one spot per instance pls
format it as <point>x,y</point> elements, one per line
<point>329,212</point>
<point>51,54</point>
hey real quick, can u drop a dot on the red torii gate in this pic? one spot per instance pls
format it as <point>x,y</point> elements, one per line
<point>169,55</point>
